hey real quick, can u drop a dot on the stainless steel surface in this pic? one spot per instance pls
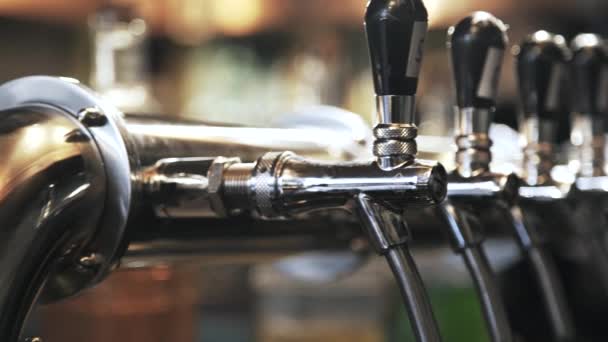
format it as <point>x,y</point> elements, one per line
<point>547,277</point>
<point>283,184</point>
<point>70,97</point>
<point>399,109</point>
<point>490,296</point>
<point>390,236</point>
<point>395,130</point>
<point>473,156</point>
<point>156,139</point>
<point>70,183</point>
<point>590,147</point>
<point>467,238</point>
<point>293,184</point>
<point>414,295</point>
<point>51,195</point>
<point>182,193</point>
<point>539,156</point>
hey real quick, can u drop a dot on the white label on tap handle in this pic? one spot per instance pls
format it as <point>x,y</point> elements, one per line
<point>488,84</point>
<point>414,60</point>
<point>552,96</point>
<point>602,92</point>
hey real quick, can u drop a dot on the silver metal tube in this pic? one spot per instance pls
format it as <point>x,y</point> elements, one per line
<point>280,184</point>
<point>473,156</point>
<point>51,195</point>
<point>540,135</point>
<point>390,235</point>
<point>466,241</point>
<point>489,294</point>
<point>547,277</point>
<point>553,294</point>
<point>414,295</point>
<point>156,139</point>
<point>395,109</point>
<point>395,130</point>
<point>588,137</point>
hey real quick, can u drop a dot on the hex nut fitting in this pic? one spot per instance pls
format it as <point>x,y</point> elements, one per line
<point>215,177</point>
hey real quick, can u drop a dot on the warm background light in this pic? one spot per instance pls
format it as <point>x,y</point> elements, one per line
<point>194,20</point>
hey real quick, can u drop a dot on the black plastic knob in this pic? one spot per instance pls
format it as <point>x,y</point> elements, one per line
<point>541,67</point>
<point>396,30</point>
<point>477,44</point>
<point>589,75</point>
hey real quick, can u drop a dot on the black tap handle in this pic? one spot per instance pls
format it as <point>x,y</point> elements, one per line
<point>396,30</point>
<point>477,45</point>
<point>589,75</point>
<point>541,64</point>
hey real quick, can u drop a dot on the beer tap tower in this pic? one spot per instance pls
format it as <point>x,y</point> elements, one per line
<point>476,46</point>
<point>588,199</point>
<point>541,64</point>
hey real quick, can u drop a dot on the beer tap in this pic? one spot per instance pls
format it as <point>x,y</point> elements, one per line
<point>216,190</point>
<point>282,185</point>
<point>541,63</point>
<point>589,106</point>
<point>477,45</point>
<point>395,33</point>
<point>589,77</point>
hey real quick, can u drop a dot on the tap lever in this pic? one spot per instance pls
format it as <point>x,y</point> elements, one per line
<point>541,65</point>
<point>541,69</point>
<point>590,76</point>
<point>589,81</point>
<point>395,33</point>
<point>477,45</point>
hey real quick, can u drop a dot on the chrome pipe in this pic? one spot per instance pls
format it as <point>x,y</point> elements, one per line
<point>347,137</point>
<point>547,276</point>
<point>467,241</point>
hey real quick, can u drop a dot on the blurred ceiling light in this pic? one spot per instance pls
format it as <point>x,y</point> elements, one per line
<point>443,13</point>
<point>190,21</point>
<point>542,35</point>
<point>586,39</point>
<point>237,16</point>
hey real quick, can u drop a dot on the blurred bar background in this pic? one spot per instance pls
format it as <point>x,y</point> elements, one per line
<point>250,62</point>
